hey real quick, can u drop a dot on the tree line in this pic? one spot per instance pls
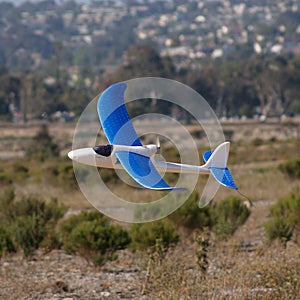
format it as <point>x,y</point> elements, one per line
<point>262,85</point>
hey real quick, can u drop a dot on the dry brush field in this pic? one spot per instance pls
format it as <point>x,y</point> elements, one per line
<point>243,266</point>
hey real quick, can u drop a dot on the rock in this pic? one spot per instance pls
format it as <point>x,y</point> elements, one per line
<point>105,294</point>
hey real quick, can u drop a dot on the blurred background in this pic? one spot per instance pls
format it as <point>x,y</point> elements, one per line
<point>243,57</point>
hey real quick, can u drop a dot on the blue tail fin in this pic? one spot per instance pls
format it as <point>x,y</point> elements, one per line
<point>224,177</point>
<point>216,162</point>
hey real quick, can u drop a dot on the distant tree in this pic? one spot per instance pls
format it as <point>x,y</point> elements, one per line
<point>6,6</point>
<point>3,68</point>
<point>206,82</point>
<point>224,86</point>
<point>238,96</point>
<point>4,110</point>
<point>71,5</point>
<point>42,145</point>
<point>276,85</point>
<point>46,5</point>
<point>9,93</point>
<point>290,20</point>
<point>55,24</point>
<point>123,35</point>
<point>141,61</point>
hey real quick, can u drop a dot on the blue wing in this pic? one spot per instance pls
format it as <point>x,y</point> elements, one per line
<point>222,175</point>
<point>142,170</point>
<point>114,117</point>
<point>119,130</point>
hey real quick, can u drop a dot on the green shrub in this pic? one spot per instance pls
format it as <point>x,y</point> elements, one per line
<point>285,217</point>
<point>33,205</point>
<point>171,178</point>
<point>6,202</point>
<point>42,145</point>
<point>29,222</point>
<point>257,142</point>
<point>20,171</point>
<point>145,236</point>
<point>109,176</point>
<point>291,168</point>
<point>7,243</point>
<point>191,216</point>
<point>279,229</point>
<point>223,218</point>
<point>171,153</point>
<point>36,221</point>
<point>5,178</point>
<point>30,233</point>
<point>61,173</point>
<point>90,235</point>
<point>229,214</point>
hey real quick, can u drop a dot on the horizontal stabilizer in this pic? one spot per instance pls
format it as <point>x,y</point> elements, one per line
<point>206,155</point>
<point>224,177</point>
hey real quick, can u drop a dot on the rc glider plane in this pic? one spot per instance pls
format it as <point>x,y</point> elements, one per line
<point>125,150</point>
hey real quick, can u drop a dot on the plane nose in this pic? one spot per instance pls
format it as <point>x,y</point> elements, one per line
<point>84,156</point>
<point>71,155</point>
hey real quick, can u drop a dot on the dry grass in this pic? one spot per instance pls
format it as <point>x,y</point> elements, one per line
<point>267,273</point>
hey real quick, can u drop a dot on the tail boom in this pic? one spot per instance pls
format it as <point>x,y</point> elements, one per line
<point>215,163</point>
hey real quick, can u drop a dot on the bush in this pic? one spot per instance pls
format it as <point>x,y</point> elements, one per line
<point>16,172</point>
<point>90,235</point>
<point>279,229</point>
<point>20,172</point>
<point>5,178</point>
<point>6,202</point>
<point>223,218</point>
<point>145,236</point>
<point>191,216</point>
<point>229,214</point>
<point>36,221</point>
<point>109,176</point>
<point>42,145</point>
<point>291,168</point>
<point>7,243</point>
<point>29,223</point>
<point>285,218</point>
<point>257,142</point>
<point>61,174</point>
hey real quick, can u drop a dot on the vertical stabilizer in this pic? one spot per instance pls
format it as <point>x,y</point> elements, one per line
<point>218,157</point>
<point>216,162</point>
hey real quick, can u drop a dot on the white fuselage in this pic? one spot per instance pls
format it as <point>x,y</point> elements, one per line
<point>88,156</point>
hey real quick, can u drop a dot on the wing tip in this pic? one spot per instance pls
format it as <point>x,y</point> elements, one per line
<point>170,188</point>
